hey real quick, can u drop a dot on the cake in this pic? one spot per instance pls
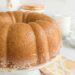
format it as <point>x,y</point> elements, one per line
<point>18,16</point>
<point>27,39</point>
<point>4,17</point>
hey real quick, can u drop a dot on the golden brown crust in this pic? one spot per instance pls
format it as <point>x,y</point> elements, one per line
<point>3,44</point>
<point>32,17</point>
<point>41,42</point>
<point>25,17</point>
<point>53,36</point>
<point>12,17</point>
<point>18,16</point>
<point>5,18</point>
<point>21,46</point>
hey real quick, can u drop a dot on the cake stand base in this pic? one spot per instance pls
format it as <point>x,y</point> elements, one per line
<point>32,72</point>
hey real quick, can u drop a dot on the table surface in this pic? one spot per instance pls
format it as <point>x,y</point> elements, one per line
<point>68,52</point>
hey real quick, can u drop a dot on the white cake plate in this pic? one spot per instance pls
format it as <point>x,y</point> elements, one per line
<point>32,71</point>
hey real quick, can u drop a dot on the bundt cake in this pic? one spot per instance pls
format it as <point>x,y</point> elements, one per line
<point>5,18</point>
<point>27,39</point>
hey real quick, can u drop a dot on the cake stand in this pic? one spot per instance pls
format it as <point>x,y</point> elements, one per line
<point>32,71</point>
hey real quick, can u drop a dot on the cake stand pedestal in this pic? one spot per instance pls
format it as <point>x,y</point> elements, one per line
<point>33,71</point>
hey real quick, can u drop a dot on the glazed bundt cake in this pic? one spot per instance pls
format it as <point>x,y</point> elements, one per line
<point>27,39</point>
